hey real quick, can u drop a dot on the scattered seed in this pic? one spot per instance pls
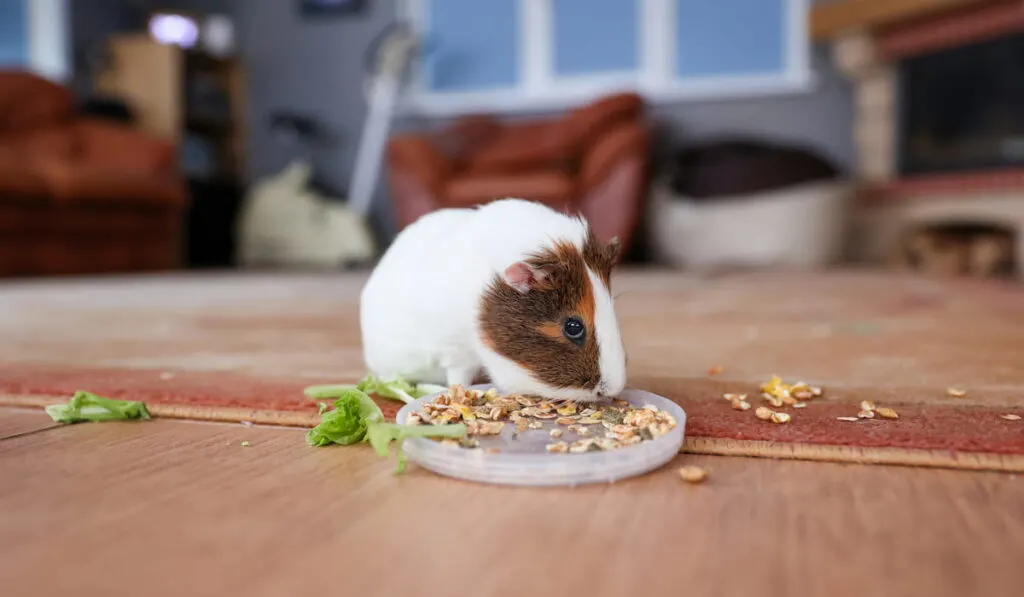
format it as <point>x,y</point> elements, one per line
<point>956,392</point>
<point>557,447</point>
<point>763,413</point>
<point>734,397</point>
<point>741,405</point>
<point>849,419</point>
<point>1010,417</point>
<point>556,433</point>
<point>693,474</point>
<point>800,405</point>
<point>867,405</point>
<point>246,444</point>
<point>866,414</point>
<point>569,409</point>
<point>781,417</point>
<point>565,421</point>
<point>887,413</point>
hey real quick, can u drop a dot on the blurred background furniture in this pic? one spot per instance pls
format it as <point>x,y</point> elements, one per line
<point>81,194</point>
<point>593,160</point>
<point>742,203</point>
<point>184,95</point>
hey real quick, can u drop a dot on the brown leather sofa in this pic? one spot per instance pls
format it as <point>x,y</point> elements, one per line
<point>594,160</point>
<point>81,195</point>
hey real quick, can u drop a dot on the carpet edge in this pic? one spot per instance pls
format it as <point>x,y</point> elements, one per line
<point>974,461</point>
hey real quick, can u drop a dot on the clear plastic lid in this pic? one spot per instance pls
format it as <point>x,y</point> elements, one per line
<point>522,458</point>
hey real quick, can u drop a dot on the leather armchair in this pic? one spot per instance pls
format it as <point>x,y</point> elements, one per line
<point>82,195</point>
<point>594,160</point>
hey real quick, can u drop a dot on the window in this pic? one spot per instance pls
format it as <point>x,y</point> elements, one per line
<point>13,33</point>
<point>515,55</point>
<point>34,35</point>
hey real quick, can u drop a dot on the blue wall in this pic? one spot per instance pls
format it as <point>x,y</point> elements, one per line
<point>13,32</point>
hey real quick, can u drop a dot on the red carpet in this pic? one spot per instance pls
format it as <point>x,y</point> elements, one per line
<point>899,342</point>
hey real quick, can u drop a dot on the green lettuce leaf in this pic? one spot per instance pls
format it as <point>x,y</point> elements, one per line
<point>395,388</point>
<point>356,418</point>
<point>353,412</point>
<point>86,406</point>
<point>381,435</point>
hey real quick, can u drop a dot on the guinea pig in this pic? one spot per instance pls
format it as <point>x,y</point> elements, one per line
<point>512,289</point>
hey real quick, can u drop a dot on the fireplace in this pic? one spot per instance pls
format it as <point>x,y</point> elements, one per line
<point>962,109</point>
<point>938,126</point>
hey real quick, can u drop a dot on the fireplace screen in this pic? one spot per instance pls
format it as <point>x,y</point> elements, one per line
<point>963,109</point>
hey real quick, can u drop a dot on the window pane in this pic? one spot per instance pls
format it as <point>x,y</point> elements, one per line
<point>595,36</point>
<point>13,32</point>
<point>475,44</point>
<point>730,37</point>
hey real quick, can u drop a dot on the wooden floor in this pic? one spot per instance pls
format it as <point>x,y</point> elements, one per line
<point>176,508</point>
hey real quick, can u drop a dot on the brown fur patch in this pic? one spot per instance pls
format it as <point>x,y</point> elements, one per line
<point>602,257</point>
<point>527,327</point>
<point>550,329</point>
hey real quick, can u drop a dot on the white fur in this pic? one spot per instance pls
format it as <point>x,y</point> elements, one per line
<point>419,308</point>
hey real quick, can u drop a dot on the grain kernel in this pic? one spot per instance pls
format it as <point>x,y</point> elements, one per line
<point>956,392</point>
<point>887,413</point>
<point>866,414</point>
<point>693,474</point>
<point>1010,417</point>
<point>741,405</point>
<point>867,405</point>
<point>763,413</point>
<point>848,419</point>
<point>781,418</point>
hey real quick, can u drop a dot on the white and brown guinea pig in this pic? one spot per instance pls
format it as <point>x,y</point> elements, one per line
<point>512,289</point>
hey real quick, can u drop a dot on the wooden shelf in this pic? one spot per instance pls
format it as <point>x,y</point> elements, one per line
<point>179,93</point>
<point>833,18</point>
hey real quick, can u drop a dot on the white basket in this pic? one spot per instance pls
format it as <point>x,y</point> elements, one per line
<point>799,226</point>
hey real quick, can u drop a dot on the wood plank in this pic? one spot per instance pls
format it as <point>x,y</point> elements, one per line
<point>184,508</point>
<point>829,19</point>
<point>15,421</point>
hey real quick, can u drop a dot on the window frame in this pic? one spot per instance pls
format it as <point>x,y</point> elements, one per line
<point>541,88</point>
<point>49,39</point>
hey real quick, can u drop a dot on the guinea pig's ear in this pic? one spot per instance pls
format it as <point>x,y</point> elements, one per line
<point>525,277</point>
<point>613,250</point>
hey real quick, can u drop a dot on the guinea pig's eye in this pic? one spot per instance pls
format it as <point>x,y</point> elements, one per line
<point>574,330</point>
